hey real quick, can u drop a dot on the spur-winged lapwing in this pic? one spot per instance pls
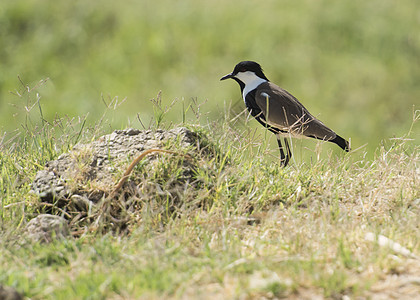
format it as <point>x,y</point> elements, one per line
<point>278,111</point>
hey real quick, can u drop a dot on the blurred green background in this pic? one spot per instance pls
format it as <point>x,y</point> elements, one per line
<point>354,64</point>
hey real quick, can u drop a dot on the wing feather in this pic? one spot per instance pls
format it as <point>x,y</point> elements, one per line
<point>283,111</point>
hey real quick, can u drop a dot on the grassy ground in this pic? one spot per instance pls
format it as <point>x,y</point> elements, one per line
<point>355,64</point>
<point>266,232</point>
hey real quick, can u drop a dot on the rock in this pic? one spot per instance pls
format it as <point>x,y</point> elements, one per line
<point>44,228</point>
<point>9,293</point>
<point>49,185</point>
<point>79,182</point>
<point>98,160</point>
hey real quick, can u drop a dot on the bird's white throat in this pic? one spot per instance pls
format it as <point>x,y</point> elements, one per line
<point>250,80</point>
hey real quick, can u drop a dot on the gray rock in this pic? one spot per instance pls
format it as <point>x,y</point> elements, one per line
<point>79,183</point>
<point>97,161</point>
<point>44,228</point>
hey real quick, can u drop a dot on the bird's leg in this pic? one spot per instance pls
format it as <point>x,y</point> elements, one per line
<point>288,150</point>
<point>283,158</point>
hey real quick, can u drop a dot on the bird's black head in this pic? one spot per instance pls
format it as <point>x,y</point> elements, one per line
<point>246,72</point>
<point>246,66</point>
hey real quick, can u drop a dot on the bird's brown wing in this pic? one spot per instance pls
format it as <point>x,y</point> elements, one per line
<point>285,112</point>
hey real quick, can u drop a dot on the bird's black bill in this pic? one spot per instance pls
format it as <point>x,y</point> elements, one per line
<point>230,75</point>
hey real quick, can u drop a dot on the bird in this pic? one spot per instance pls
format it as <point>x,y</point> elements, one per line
<point>278,110</point>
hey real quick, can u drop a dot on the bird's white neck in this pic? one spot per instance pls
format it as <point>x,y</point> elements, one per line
<point>250,80</point>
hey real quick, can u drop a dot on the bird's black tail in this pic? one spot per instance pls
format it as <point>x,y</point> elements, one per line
<point>341,142</point>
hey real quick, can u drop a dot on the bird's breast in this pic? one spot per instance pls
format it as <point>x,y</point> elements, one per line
<point>251,104</point>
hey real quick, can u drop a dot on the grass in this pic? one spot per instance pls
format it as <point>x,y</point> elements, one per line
<point>355,64</point>
<point>265,231</point>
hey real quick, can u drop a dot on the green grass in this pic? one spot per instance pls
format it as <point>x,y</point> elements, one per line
<point>355,64</point>
<point>265,231</point>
